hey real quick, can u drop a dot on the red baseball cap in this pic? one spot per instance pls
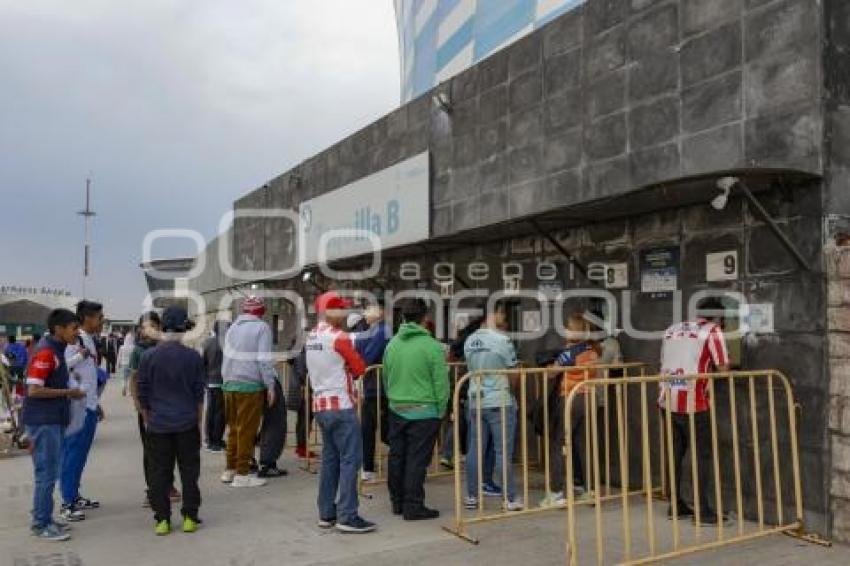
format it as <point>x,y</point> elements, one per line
<point>254,305</point>
<point>331,301</point>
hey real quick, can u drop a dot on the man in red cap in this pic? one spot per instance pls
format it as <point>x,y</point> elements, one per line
<point>332,364</point>
<point>248,383</point>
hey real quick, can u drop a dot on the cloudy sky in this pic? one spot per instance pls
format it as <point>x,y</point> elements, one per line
<point>176,108</point>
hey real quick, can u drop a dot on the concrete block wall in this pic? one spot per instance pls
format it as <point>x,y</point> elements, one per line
<point>838,317</point>
<point>610,97</point>
<point>767,275</point>
<point>623,94</point>
<point>836,64</point>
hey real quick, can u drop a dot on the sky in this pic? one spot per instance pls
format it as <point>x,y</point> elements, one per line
<point>175,108</point>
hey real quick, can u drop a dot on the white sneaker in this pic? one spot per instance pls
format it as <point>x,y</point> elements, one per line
<point>470,503</point>
<point>555,499</point>
<point>247,481</point>
<point>367,476</point>
<point>515,505</point>
<point>227,476</point>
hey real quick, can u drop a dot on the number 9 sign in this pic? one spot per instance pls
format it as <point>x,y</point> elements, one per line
<point>721,266</point>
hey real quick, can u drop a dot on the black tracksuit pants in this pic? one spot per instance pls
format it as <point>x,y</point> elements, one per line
<point>411,449</point>
<point>163,450</point>
<point>273,431</point>
<point>143,434</point>
<point>681,442</point>
<point>369,427</point>
<point>214,420</point>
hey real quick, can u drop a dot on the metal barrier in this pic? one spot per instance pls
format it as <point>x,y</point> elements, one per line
<point>749,382</point>
<point>742,448</point>
<point>543,380</point>
<point>380,451</point>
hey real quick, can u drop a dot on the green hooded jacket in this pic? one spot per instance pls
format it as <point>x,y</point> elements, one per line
<point>416,377</point>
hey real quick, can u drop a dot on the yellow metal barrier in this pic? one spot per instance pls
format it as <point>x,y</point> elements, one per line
<point>785,466</point>
<point>380,451</point>
<point>743,449</point>
<point>540,381</point>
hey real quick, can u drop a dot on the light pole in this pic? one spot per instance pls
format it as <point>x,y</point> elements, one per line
<point>87,215</point>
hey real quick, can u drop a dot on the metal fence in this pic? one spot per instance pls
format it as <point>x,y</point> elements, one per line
<point>636,452</point>
<point>456,371</point>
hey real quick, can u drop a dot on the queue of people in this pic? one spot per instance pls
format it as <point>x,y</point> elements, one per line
<point>170,383</point>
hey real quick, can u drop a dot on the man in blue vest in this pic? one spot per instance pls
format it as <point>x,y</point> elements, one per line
<point>45,416</point>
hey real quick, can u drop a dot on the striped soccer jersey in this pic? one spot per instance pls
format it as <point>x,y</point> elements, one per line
<point>332,364</point>
<point>690,348</point>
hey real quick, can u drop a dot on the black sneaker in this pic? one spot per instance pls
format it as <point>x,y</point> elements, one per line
<point>398,508</point>
<point>271,472</point>
<point>70,514</point>
<point>326,523</point>
<point>356,525</point>
<point>421,513</point>
<point>85,503</point>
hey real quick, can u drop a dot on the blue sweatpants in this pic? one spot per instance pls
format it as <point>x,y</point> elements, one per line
<point>75,452</point>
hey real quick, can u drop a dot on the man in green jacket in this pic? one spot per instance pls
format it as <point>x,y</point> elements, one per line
<point>417,386</point>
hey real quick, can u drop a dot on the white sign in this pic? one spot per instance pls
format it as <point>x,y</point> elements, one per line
<point>617,276</point>
<point>531,321</point>
<point>386,209</point>
<point>758,319</point>
<point>721,266</point>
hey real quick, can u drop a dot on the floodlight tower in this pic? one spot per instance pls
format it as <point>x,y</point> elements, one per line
<point>87,215</point>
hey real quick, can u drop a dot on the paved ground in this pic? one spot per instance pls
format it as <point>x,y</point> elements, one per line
<point>275,524</point>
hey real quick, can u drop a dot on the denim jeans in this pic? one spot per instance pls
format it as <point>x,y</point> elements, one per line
<point>75,453</point>
<point>491,436</point>
<point>46,442</point>
<point>342,454</point>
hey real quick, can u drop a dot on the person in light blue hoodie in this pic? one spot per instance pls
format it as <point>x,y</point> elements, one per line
<point>490,401</point>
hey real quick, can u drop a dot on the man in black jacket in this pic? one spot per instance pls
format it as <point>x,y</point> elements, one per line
<point>171,382</point>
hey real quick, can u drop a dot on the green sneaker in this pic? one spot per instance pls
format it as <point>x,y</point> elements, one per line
<point>162,528</point>
<point>189,525</point>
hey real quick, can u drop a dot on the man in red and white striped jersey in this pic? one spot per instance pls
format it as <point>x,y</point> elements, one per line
<point>692,348</point>
<point>332,365</point>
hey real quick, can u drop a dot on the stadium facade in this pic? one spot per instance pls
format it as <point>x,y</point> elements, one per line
<point>599,139</point>
<point>440,38</point>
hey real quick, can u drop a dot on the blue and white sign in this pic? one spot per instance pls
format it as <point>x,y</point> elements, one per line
<point>387,209</point>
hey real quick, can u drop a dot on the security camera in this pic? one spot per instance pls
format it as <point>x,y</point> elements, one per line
<point>724,185</point>
<point>442,101</point>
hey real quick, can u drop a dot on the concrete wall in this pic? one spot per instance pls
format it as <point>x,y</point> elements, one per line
<point>837,205</point>
<point>619,95</point>
<point>211,284</point>
<point>613,96</point>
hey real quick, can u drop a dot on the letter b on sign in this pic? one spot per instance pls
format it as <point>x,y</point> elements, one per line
<point>392,216</point>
